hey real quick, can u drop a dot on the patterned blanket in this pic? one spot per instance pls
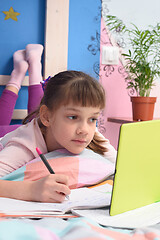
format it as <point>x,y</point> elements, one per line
<point>71,229</point>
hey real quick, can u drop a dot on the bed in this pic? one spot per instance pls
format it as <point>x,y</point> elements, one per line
<point>79,228</point>
<point>69,227</point>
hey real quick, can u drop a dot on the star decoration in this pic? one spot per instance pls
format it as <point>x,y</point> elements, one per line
<point>11,14</point>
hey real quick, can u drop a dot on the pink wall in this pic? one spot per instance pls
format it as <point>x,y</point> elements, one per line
<point>117,99</point>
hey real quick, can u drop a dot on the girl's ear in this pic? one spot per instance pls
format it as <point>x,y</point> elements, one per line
<point>44,115</point>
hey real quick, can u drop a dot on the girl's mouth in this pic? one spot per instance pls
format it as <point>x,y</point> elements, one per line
<point>78,141</point>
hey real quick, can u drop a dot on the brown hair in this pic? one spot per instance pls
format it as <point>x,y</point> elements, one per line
<point>77,87</point>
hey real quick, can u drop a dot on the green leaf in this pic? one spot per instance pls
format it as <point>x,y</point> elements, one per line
<point>143,57</point>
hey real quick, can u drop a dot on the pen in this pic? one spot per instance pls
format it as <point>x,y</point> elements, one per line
<point>46,163</point>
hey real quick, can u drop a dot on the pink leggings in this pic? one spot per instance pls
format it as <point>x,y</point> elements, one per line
<point>7,103</point>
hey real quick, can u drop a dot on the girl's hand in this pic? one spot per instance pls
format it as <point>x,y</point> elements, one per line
<point>51,188</point>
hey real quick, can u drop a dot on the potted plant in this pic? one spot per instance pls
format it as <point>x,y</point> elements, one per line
<point>142,64</point>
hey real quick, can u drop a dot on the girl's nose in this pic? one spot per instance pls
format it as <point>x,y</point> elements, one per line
<point>82,129</point>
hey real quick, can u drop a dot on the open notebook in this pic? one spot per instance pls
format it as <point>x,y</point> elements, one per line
<point>80,198</point>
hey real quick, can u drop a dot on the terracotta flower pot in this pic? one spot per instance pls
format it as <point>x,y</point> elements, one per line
<point>143,108</point>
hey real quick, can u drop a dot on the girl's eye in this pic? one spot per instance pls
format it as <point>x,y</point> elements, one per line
<point>93,119</point>
<point>72,117</point>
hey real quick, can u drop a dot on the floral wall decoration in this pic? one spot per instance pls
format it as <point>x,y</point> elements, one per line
<point>94,45</point>
<point>98,38</point>
<point>117,40</point>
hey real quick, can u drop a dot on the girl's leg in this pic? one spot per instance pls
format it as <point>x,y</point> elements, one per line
<point>10,94</point>
<point>7,103</point>
<point>4,129</point>
<point>35,94</point>
<point>35,91</point>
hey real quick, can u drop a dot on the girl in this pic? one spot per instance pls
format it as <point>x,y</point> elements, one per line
<point>23,60</point>
<point>66,118</point>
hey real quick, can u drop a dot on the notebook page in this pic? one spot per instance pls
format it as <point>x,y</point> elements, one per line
<point>81,197</point>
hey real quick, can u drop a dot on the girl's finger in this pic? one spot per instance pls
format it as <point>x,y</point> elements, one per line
<point>60,178</point>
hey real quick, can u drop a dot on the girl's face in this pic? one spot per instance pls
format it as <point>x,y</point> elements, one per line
<point>71,127</point>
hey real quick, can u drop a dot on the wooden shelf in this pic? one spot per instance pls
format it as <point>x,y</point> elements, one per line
<point>120,120</point>
<point>123,120</point>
